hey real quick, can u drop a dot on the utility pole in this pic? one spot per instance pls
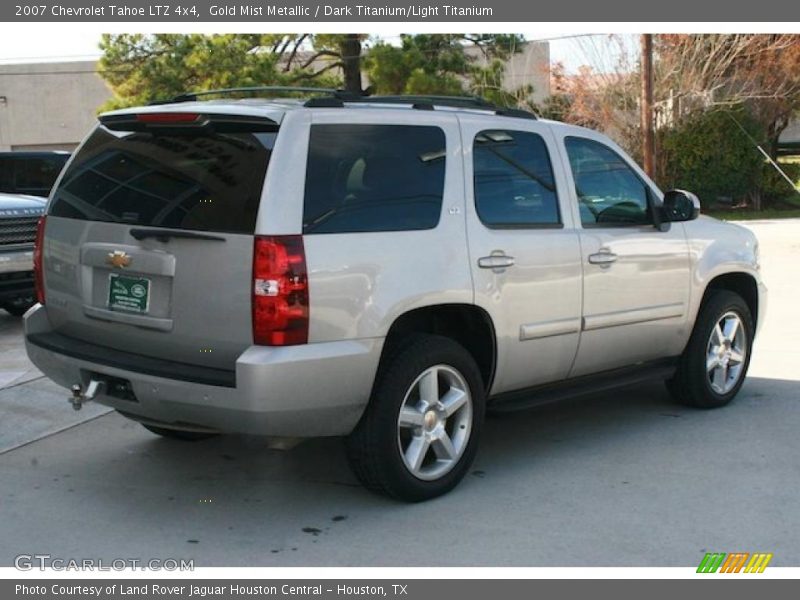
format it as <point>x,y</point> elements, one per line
<point>648,136</point>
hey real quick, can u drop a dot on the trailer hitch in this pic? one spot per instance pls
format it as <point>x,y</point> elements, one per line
<point>80,397</point>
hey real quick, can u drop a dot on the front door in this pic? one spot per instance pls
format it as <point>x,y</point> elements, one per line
<point>635,275</point>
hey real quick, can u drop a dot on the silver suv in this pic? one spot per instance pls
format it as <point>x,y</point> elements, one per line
<point>381,268</point>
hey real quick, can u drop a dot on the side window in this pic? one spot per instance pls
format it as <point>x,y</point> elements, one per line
<point>513,178</point>
<point>374,178</point>
<point>609,192</point>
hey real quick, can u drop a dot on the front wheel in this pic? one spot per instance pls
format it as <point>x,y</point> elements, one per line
<point>419,433</point>
<point>712,368</point>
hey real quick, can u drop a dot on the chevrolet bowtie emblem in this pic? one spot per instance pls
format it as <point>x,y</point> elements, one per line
<point>118,259</point>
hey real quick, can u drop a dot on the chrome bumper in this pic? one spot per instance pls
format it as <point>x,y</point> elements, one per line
<point>16,259</point>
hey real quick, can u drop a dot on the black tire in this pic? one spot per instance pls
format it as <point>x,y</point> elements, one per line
<point>691,384</point>
<point>373,447</point>
<point>17,310</point>
<point>179,434</point>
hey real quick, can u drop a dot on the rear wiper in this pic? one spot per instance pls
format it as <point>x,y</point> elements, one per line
<point>164,235</point>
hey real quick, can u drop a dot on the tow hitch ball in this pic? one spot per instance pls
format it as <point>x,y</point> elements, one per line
<point>80,397</point>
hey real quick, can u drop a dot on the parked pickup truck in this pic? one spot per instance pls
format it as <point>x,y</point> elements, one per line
<point>18,217</point>
<point>382,268</point>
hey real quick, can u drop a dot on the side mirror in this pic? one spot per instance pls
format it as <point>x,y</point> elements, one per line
<point>680,205</point>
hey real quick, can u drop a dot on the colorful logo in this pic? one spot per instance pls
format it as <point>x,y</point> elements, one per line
<point>735,562</point>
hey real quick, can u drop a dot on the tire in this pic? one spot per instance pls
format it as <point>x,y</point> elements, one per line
<point>698,382</point>
<point>380,448</point>
<point>17,310</point>
<point>179,434</point>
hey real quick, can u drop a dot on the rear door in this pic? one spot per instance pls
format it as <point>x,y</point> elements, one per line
<point>149,238</point>
<point>524,250</point>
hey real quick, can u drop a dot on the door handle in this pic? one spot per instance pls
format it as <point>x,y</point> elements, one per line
<point>496,262</point>
<point>603,258</point>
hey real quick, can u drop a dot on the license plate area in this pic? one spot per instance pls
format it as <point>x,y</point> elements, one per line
<point>127,293</point>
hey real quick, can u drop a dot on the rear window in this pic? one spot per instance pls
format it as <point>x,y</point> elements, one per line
<point>200,181</point>
<point>374,178</point>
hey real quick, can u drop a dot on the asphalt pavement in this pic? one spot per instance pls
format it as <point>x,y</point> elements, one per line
<point>619,479</point>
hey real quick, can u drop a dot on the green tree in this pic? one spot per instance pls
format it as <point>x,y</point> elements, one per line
<point>445,64</point>
<point>344,50</point>
<point>709,154</point>
<point>142,68</point>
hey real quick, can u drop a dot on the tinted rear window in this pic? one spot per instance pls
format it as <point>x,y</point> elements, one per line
<point>514,184</point>
<point>374,178</point>
<point>206,182</point>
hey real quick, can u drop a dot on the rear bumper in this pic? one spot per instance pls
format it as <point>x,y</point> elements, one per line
<point>297,391</point>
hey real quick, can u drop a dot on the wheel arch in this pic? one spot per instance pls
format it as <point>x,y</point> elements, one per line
<point>740,282</point>
<point>466,324</point>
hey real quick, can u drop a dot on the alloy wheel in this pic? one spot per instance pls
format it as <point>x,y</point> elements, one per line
<point>435,422</point>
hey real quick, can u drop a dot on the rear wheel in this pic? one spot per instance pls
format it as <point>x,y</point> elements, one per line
<point>420,432</point>
<point>713,367</point>
<point>179,434</point>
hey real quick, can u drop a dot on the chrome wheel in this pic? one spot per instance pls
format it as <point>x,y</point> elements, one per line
<point>435,422</point>
<point>726,353</point>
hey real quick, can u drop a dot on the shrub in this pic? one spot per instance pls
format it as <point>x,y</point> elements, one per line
<point>709,154</point>
<point>774,188</point>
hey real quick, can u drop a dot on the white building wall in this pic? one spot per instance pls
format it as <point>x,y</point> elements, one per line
<point>49,106</point>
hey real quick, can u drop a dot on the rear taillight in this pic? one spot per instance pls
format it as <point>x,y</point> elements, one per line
<point>280,291</point>
<point>38,268</point>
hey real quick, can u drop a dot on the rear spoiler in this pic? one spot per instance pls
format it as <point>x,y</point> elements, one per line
<point>186,122</point>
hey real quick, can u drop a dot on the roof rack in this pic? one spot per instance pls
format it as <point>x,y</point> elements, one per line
<point>427,102</point>
<point>333,98</point>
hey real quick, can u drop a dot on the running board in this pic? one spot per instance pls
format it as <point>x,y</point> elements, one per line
<point>583,386</point>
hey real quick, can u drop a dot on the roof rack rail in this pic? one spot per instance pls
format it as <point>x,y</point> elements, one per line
<point>338,99</point>
<point>193,96</point>
<point>452,101</point>
<point>333,98</point>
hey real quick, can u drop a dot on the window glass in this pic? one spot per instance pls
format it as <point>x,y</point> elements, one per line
<point>514,185</point>
<point>374,178</point>
<point>6,175</point>
<point>609,191</point>
<point>207,182</point>
<point>37,175</point>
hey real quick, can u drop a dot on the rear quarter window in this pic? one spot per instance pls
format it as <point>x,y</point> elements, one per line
<point>363,178</point>
<point>206,182</point>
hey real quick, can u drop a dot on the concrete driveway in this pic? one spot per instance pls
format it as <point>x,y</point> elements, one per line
<point>619,479</point>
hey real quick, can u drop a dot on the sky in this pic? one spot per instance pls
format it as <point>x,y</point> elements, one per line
<point>573,51</point>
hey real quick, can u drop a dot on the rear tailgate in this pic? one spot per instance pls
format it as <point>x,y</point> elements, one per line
<point>149,238</point>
